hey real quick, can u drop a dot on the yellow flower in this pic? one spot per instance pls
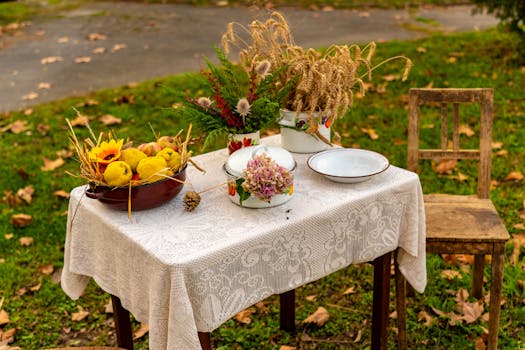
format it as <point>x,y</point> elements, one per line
<point>106,152</point>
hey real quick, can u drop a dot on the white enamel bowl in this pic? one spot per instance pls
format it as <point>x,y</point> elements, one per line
<point>348,165</point>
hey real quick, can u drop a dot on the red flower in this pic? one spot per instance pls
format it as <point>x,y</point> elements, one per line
<point>234,146</point>
<point>247,142</point>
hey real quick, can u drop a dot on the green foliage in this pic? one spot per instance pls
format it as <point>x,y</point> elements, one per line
<point>228,86</point>
<point>512,14</point>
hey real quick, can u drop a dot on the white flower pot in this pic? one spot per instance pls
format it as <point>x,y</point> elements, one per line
<point>295,139</point>
<point>234,170</point>
<point>238,141</point>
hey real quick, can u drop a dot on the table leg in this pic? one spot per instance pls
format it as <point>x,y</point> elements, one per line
<point>287,311</point>
<point>122,324</point>
<point>205,340</point>
<point>381,300</point>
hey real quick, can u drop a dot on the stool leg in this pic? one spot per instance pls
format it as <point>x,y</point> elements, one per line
<point>478,273</point>
<point>495,299</point>
<point>205,340</point>
<point>401,308</point>
<point>287,312</point>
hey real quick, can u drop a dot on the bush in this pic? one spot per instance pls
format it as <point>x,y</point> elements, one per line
<point>512,14</point>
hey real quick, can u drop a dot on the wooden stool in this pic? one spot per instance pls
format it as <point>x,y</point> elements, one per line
<point>459,224</point>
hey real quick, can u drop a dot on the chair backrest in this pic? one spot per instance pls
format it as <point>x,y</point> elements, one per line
<point>445,97</point>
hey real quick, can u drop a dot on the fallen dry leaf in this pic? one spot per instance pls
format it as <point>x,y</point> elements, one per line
<point>371,133</point>
<point>46,269</point>
<point>262,308</point>
<point>44,86</point>
<point>109,119</point>
<point>244,315</point>
<point>80,314</point>
<point>497,145</point>
<point>139,333</point>
<point>502,152</point>
<point>108,307</point>
<point>287,347</point>
<point>50,165</point>
<point>99,50</point>
<point>8,337</point>
<point>26,241</point>
<point>445,166</point>
<point>80,120</point>
<point>61,194</point>
<point>421,49</point>
<point>423,315</point>
<point>319,317</point>
<point>8,236</point>
<point>82,59</point>
<point>30,96</point>
<point>450,274</point>
<point>466,130</point>
<point>20,220</point>
<point>37,287</point>
<point>364,14</point>
<point>350,290</point>
<point>42,128</point>
<point>16,127</point>
<point>26,193</point>
<point>28,111</point>
<point>11,199</point>
<point>96,36</point>
<point>64,153</point>
<point>4,317</point>
<point>472,311</point>
<point>118,47</point>
<point>514,175</point>
<point>51,59</point>
<point>480,344</point>
<point>358,336</point>
<point>63,40</point>
<point>518,241</point>
<point>519,226</point>
<point>311,297</point>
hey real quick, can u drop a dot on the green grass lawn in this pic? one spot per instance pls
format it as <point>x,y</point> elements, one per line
<point>42,315</point>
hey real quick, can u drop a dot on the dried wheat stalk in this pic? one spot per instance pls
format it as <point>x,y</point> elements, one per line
<point>323,81</point>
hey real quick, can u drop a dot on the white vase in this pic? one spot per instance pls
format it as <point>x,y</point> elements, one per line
<point>293,135</point>
<point>238,141</point>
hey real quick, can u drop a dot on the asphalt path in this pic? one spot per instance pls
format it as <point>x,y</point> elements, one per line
<point>104,44</point>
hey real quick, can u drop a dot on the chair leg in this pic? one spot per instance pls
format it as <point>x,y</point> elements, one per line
<point>479,272</point>
<point>205,340</point>
<point>401,308</point>
<point>287,312</point>
<point>495,299</point>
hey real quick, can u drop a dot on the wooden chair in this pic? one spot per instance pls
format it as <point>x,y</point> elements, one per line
<point>459,224</point>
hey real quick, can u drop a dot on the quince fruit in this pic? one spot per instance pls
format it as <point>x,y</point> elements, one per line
<point>173,158</point>
<point>132,156</point>
<point>168,141</point>
<point>151,169</point>
<point>118,173</point>
<point>150,148</point>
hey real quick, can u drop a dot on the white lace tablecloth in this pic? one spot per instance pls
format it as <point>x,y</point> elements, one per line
<point>183,272</point>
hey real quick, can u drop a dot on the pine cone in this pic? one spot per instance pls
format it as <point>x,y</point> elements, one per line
<point>191,200</point>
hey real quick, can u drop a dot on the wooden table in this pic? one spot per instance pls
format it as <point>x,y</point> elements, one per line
<point>186,273</point>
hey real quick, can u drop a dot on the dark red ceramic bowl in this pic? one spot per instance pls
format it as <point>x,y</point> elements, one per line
<point>145,196</point>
